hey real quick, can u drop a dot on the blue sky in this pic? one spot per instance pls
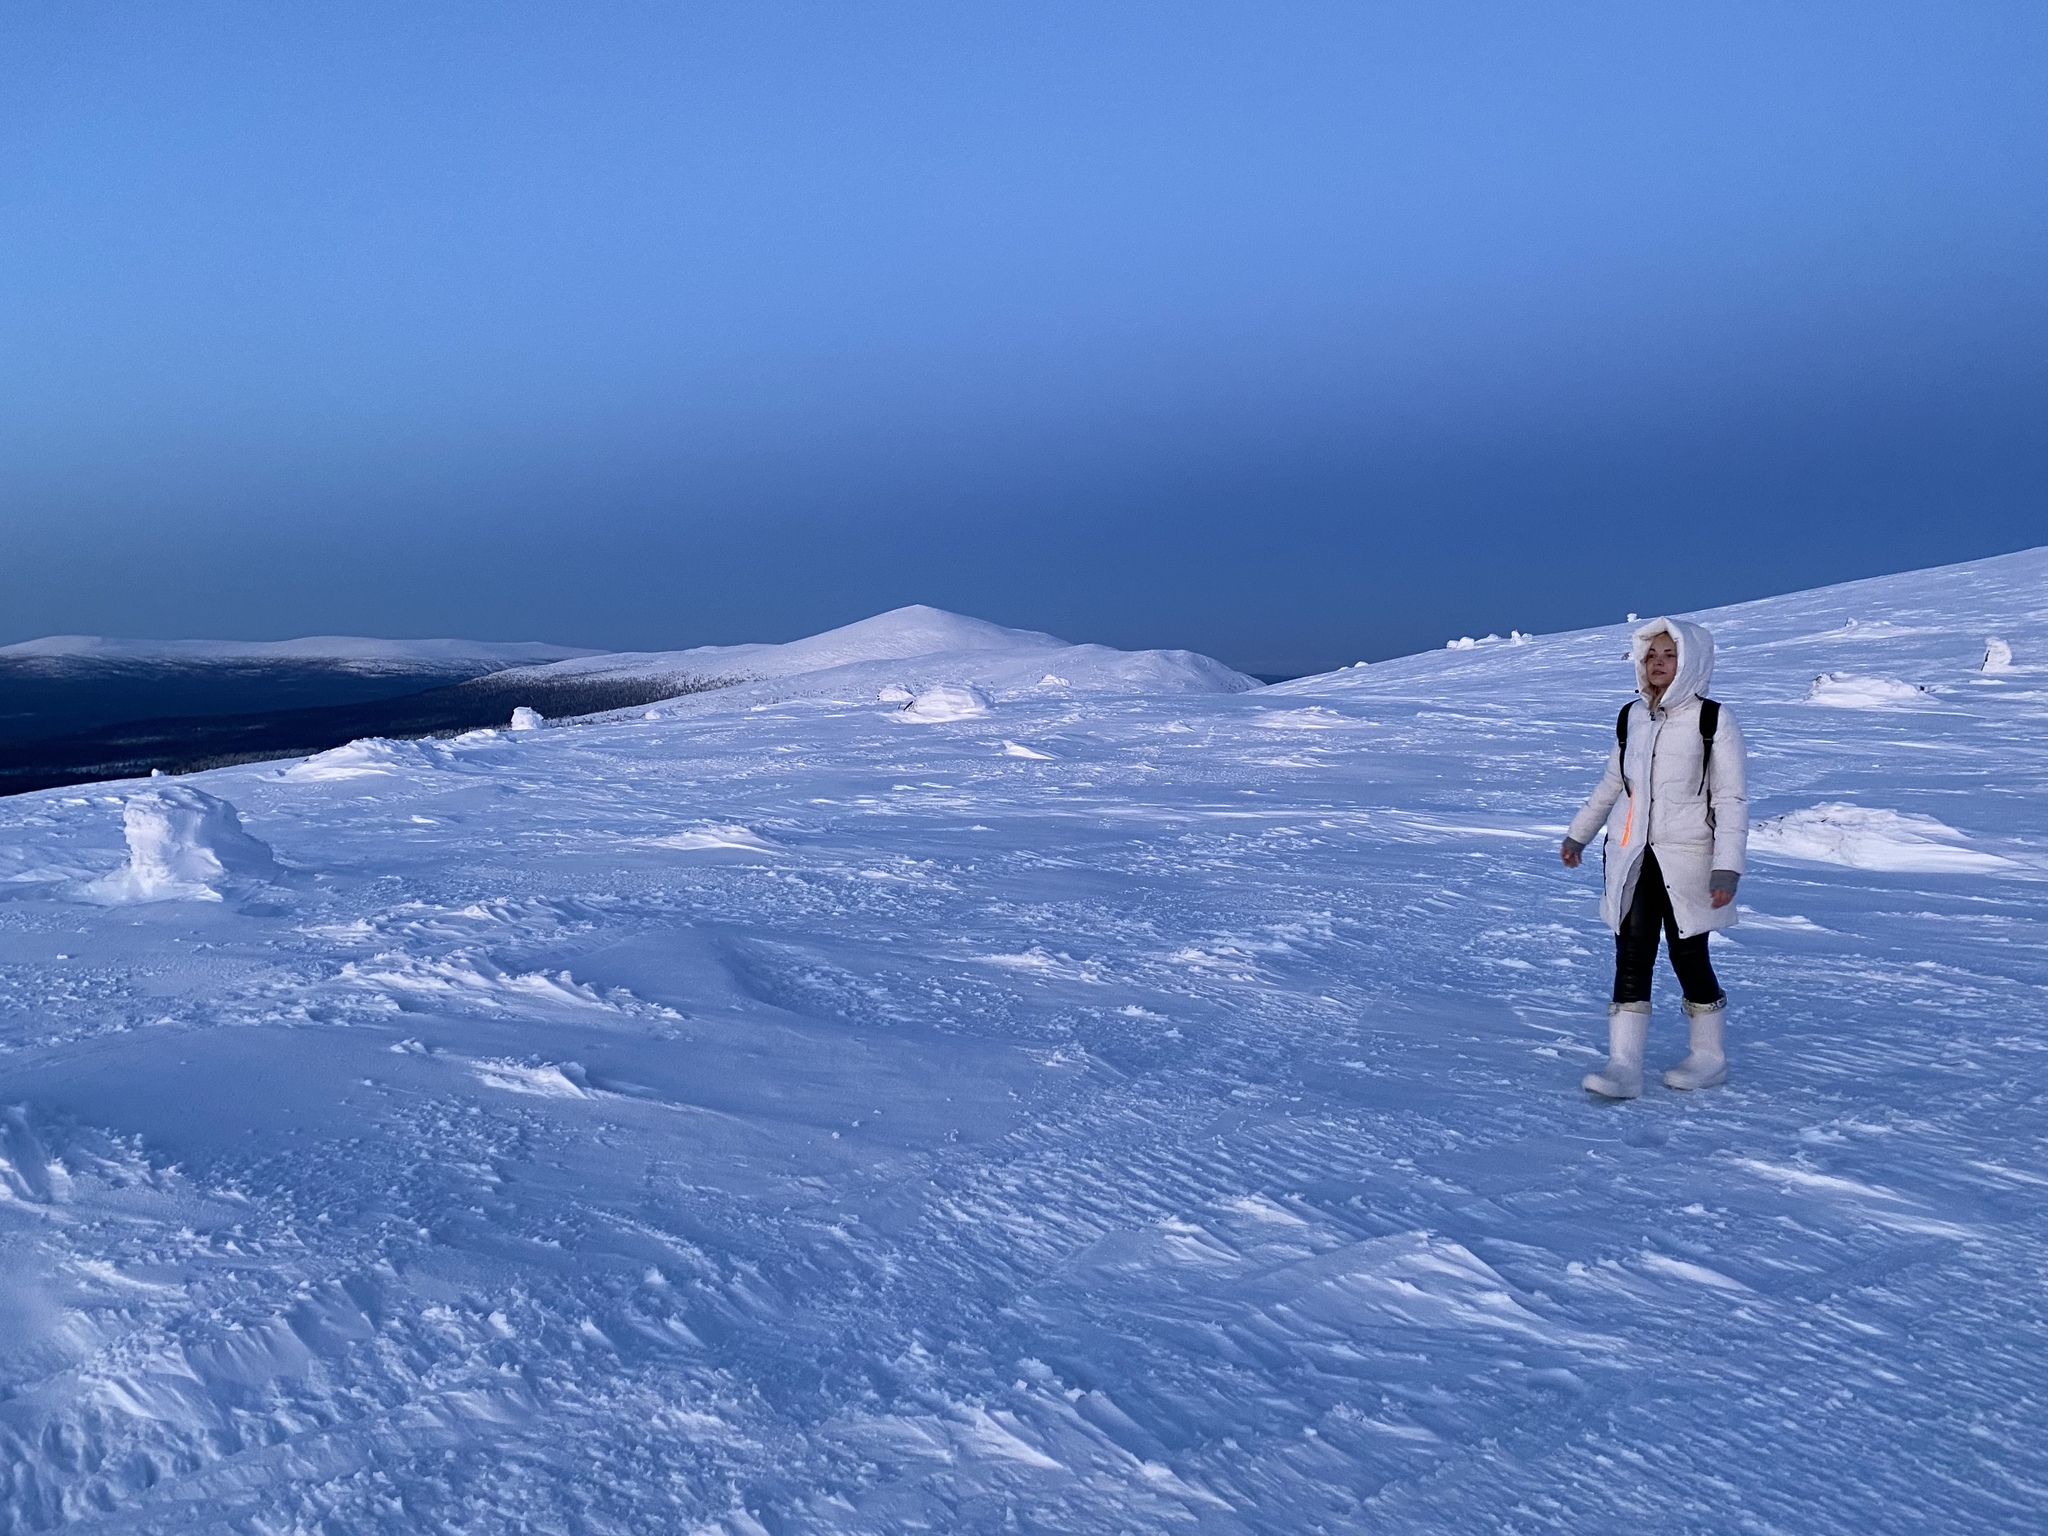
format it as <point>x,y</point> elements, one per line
<point>1288,332</point>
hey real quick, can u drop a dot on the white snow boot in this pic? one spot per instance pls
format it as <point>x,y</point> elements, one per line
<point>1707,1066</point>
<point>1628,1030</point>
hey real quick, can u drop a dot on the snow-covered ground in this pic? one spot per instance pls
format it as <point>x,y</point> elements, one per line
<point>1091,1109</point>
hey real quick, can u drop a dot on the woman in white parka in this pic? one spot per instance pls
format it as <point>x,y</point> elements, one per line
<point>1676,808</point>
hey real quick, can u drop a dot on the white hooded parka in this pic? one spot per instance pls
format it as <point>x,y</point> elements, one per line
<point>1668,794</point>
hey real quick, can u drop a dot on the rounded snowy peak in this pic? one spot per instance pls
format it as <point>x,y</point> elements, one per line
<point>917,646</point>
<point>918,630</point>
<point>898,635</point>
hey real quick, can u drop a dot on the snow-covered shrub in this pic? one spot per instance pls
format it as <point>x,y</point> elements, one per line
<point>947,701</point>
<point>528,719</point>
<point>183,845</point>
<point>1997,655</point>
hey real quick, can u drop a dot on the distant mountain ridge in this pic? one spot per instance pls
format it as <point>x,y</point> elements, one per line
<point>63,685</point>
<point>350,652</point>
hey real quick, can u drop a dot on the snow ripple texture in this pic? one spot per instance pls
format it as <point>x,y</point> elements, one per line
<point>781,1120</point>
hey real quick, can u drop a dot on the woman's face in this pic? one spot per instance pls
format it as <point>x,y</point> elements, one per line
<point>1660,661</point>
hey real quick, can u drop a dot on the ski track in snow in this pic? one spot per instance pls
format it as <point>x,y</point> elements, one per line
<point>786,1121</point>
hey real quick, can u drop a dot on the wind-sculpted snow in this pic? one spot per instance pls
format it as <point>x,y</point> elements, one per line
<point>369,758</point>
<point>183,845</point>
<point>1118,1112</point>
<point>1868,837</point>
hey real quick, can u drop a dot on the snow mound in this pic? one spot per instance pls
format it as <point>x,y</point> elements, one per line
<point>948,701</point>
<point>1997,656</point>
<point>525,719</point>
<point>1844,690</point>
<point>1867,837</point>
<point>544,1080</point>
<point>183,845</point>
<point>716,837</point>
<point>366,758</point>
<point>1314,718</point>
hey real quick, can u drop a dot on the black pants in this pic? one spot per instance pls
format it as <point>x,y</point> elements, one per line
<point>1635,947</point>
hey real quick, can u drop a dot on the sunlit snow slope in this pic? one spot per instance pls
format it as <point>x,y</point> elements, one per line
<point>1111,1112</point>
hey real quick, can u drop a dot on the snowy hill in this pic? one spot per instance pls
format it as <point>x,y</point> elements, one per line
<point>1042,1109</point>
<point>924,646</point>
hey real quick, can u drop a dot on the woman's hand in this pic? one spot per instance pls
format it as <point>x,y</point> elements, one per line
<point>1572,857</point>
<point>1722,898</point>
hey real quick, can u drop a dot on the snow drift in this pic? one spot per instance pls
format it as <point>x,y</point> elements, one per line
<point>1844,690</point>
<point>1870,837</point>
<point>371,757</point>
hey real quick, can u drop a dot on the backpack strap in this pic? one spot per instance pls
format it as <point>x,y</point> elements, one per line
<point>1621,726</point>
<point>1710,721</point>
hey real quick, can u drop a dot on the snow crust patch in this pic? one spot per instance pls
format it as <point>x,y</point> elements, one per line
<point>1869,837</point>
<point>1417,1280</point>
<point>1311,719</point>
<point>183,845</point>
<point>467,977</point>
